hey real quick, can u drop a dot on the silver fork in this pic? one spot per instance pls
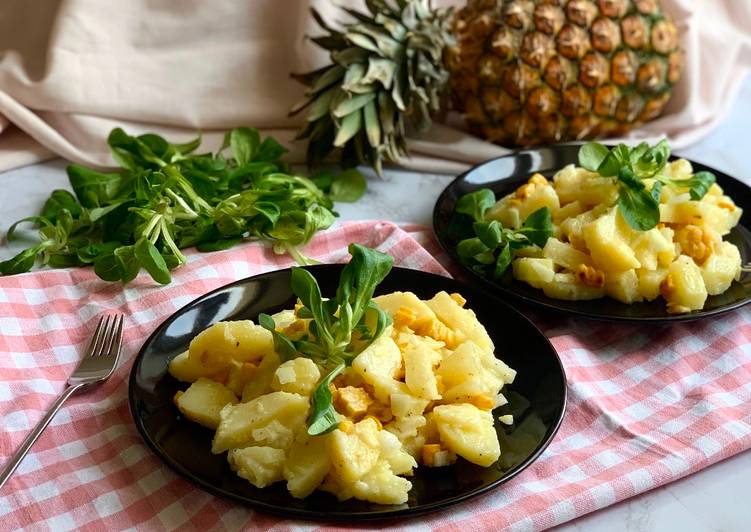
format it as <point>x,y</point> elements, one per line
<point>97,365</point>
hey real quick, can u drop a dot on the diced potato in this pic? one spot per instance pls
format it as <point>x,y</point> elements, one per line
<point>261,466</point>
<point>575,208</point>
<point>391,303</point>
<point>400,461</point>
<point>187,369</point>
<point>404,405</point>
<point>699,213</point>
<point>418,367</point>
<point>381,486</point>
<point>238,376</point>
<point>565,255</point>
<point>652,249</point>
<point>243,341</point>
<point>623,286</point>
<point>469,432</point>
<point>272,420</point>
<point>461,320</point>
<point>262,377</point>
<point>468,372</point>
<point>565,286</point>
<point>683,287</point>
<point>408,430</point>
<point>377,365</point>
<point>572,229</point>
<point>354,454</point>
<point>299,375</point>
<point>203,401</point>
<point>649,282</point>
<point>307,465</point>
<point>721,268</point>
<point>535,272</point>
<point>609,252</point>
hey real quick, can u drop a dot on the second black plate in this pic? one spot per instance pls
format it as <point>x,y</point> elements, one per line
<point>504,174</point>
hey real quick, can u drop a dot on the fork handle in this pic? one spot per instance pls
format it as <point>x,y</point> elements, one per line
<point>16,459</point>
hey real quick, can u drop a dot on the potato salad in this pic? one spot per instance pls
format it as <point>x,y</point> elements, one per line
<point>624,228</point>
<point>419,394</point>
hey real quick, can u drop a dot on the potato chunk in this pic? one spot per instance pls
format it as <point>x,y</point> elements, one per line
<point>377,364</point>
<point>418,369</point>
<point>271,420</point>
<point>262,378</point>
<point>203,401</point>
<point>721,268</point>
<point>381,486</point>
<point>299,375</point>
<point>469,432</point>
<point>356,453</point>
<point>683,288</point>
<point>609,251</point>
<point>461,320</point>
<point>307,465</point>
<point>261,466</point>
<point>224,341</point>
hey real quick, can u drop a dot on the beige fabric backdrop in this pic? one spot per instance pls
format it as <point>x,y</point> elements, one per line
<point>71,70</point>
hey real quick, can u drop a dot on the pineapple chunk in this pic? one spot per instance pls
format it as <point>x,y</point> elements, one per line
<point>419,361</point>
<point>299,375</point>
<point>469,432</point>
<point>356,453</point>
<point>623,286</point>
<point>565,255</point>
<point>203,401</point>
<point>262,377</point>
<point>609,252</point>
<point>683,288</point>
<point>271,420</point>
<point>224,341</point>
<point>535,272</point>
<point>649,282</point>
<point>701,213</point>
<point>721,268</point>
<point>589,188</point>
<point>307,465</point>
<point>461,320</point>
<point>261,466</point>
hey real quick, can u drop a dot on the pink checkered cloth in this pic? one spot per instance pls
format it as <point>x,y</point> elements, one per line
<point>648,404</point>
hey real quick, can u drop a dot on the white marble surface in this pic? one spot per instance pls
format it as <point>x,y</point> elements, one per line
<point>714,499</point>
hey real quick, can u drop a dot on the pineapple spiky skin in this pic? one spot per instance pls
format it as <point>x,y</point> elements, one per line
<point>527,72</point>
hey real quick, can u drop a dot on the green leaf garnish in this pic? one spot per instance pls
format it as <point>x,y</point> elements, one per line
<point>168,198</point>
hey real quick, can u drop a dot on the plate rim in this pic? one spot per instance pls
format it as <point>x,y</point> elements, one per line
<point>337,516</point>
<point>549,303</point>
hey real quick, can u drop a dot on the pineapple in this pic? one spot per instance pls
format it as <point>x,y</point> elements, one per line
<point>521,72</point>
<point>533,71</point>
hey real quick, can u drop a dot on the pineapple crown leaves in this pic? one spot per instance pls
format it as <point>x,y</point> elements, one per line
<point>386,69</point>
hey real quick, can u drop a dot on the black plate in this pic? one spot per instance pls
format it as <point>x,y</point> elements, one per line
<point>504,174</point>
<point>537,398</point>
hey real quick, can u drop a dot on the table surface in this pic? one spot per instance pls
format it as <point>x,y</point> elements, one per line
<point>713,499</point>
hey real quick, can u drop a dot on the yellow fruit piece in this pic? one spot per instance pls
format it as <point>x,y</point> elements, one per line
<point>203,401</point>
<point>565,286</point>
<point>565,255</point>
<point>404,317</point>
<point>533,271</point>
<point>650,281</point>
<point>623,286</point>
